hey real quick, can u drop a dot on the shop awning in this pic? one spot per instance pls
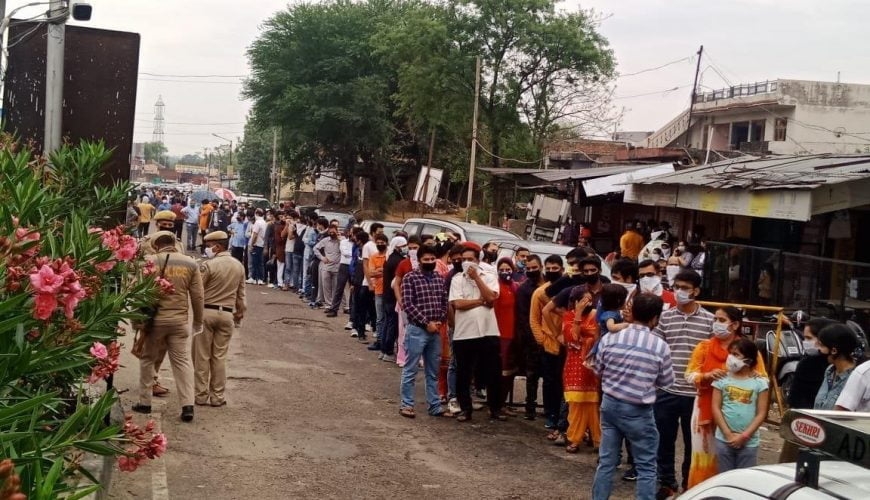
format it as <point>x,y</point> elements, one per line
<point>617,183</point>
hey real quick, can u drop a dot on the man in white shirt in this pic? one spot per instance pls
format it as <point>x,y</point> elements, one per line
<point>368,294</point>
<point>345,245</point>
<point>256,245</point>
<point>476,341</point>
<point>856,392</point>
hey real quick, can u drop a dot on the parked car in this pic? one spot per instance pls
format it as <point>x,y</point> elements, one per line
<point>390,228</point>
<point>467,231</point>
<point>345,219</point>
<point>254,200</point>
<point>508,248</point>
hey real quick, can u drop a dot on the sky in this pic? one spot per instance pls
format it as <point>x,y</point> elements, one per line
<point>746,40</point>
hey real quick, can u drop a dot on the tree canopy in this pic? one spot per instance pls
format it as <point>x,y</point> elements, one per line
<point>361,86</point>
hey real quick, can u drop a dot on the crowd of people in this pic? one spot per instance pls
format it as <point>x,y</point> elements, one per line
<point>626,365</point>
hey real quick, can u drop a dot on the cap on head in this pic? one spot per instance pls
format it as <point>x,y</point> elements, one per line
<point>216,236</point>
<point>167,215</point>
<point>162,239</point>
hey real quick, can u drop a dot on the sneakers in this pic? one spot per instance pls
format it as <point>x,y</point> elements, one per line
<point>353,334</point>
<point>270,285</point>
<point>250,281</point>
<point>374,347</point>
<point>630,474</point>
<point>331,314</point>
<point>389,358</point>
<point>260,282</point>
<point>381,357</point>
<point>453,406</point>
<point>349,325</point>
<point>369,328</point>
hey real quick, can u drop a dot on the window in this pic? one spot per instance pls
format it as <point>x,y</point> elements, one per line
<point>779,129</point>
<point>412,228</point>
<point>432,229</point>
<point>739,133</point>
<point>757,134</point>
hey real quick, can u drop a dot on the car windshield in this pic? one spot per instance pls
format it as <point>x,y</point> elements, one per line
<point>342,218</point>
<point>481,237</point>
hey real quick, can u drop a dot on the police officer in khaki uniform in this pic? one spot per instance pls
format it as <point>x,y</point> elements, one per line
<point>171,329</point>
<point>223,280</point>
<point>165,220</point>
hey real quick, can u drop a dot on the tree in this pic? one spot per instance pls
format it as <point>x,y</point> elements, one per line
<point>155,152</point>
<point>255,160</point>
<point>191,159</point>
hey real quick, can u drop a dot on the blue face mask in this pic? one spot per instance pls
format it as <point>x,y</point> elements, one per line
<point>521,264</point>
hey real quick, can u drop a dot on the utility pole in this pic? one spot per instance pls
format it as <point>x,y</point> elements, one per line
<point>54,50</point>
<point>694,94</point>
<point>473,138</point>
<point>274,180</point>
<point>424,194</point>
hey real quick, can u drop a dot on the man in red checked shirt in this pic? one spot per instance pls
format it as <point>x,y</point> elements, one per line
<point>424,298</point>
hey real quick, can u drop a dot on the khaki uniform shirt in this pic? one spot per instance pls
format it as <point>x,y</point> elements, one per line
<point>147,248</point>
<point>223,279</point>
<point>183,272</point>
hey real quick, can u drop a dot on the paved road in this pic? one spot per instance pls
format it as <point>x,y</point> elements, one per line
<point>312,414</point>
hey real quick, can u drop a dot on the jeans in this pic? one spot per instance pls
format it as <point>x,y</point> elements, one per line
<point>143,229</point>
<point>390,330</point>
<point>420,343</point>
<point>256,263</point>
<point>379,308</point>
<point>343,277</point>
<point>451,369</point>
<point>730,458</point>
<point>288,269</point>
<point>306,268</point>
<point>552,366</point>
<point>478,357</point>
<point>363,300</point>
<point>192,229</point>
<point>673,413</point>
<point>296,271</point>
<point>620,419</point>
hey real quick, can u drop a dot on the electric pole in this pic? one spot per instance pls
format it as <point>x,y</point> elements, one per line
<point>274,179</point>
<point>473,138</point>
<point>54,53</point>
<point>425,193</point>
<point>694,95</point>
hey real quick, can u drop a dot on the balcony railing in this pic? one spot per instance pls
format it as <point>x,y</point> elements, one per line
<point>746,89</point>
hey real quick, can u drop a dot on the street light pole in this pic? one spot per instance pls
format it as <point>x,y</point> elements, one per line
<point>54,53</point>
<point>471,165</point>
<point>230,165</point>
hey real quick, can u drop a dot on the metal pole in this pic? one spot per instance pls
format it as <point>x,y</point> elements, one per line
<point>694,93</point>
<point>54,52</point>
<point>473,138</point>
<point>425,192</point>
<point>274,163</point>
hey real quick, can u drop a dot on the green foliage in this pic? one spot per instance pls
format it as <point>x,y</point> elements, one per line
<point>255,160</point>
<point>155,152</point>
<point>45,419</point>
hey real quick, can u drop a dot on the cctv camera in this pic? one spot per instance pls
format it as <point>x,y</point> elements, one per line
<point>82,11</point>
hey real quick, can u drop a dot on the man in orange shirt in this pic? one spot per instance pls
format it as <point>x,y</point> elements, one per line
<point>204,218</point>
<point>631,243</point>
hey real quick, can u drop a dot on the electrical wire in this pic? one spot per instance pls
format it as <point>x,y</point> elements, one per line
<point>665,65</point>
<point>665,91</point>
<point>191,81</point>
<point>192,123</point>
<point>490,153</point>
<point>191,76</point>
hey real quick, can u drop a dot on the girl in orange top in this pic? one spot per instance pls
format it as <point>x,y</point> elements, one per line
<point>706,366</point>
<point>582,387</point>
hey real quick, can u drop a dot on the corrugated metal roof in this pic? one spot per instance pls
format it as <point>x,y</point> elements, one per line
<point>557,175</point>
<point>511,171</point>
<point>776,172</point>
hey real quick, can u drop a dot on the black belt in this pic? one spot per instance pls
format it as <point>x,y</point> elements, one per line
<point>219,308</point>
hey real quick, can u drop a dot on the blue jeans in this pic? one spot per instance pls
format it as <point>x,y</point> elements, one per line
<point>451,369</point>
<point>620,419</point>
<point>379,307</point>
<point>420,343</point>
<point>257,270</point>
<point>296,271</point>
<point>192,231</point>
<point>390,329</point>
<point>288,269</point>
<point>730,458</point>
<point>306,262</point>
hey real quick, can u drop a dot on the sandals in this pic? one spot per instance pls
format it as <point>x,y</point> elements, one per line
<point>572,448</point>
<point>499,417</point>
<point>444,414</point>
<point>553,435</point>
<point>463,417</point>
<point>407,412</point>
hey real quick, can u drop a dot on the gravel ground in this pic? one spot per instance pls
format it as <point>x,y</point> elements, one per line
<point>312,414</point>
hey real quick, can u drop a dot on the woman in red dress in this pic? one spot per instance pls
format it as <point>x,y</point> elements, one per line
<point>582,387</point>
<point>504,312</point>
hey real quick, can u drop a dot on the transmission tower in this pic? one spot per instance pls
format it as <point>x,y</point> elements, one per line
<point>157,136</point>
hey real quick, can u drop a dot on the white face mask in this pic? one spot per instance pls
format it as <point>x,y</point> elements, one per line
<point>720,330</point>
<point>683,297</point>
<point>629,287</point>
<point>651,284</point>
<point>209,251</point>
<point>672,272</point>
<point>810,347</point>
<point>468,265</point>
<point>734,364</point>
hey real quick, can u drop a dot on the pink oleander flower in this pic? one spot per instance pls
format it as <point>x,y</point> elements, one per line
<point>166,286</point>
<point>128,464</point>
<point>146,444</point>
<point>149,268</point>
<point>157,446</point>
<point>106,365</point>
<point>92,230</point>
<point>106,266</point>
<point>75,294</point>
<point>127,248</point>
<point>99,351</point>
<point>44,306</point>
<point>46,281</point>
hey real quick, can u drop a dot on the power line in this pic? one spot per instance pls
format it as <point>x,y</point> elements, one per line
<point>191,81</point>
<point>507,159</point>
<point>665,65</point>
<point>192,123</point>
<point>665,91</point>
<point>197,133</point>
<point>192,76</point>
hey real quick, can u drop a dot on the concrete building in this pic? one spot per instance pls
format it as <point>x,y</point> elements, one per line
<point>779,117</point>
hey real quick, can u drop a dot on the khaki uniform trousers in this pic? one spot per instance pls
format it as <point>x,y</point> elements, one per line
<point>167,338</point>
<point>210,356</point>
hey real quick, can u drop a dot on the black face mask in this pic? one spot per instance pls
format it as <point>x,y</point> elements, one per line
<point>427,267</point>
<point>592,279</point>
<point>504,276</point>
<point>552,276</point>
<point>457,266</point>
<point>381,248</point>
<point>490,256</point>
<point>534,276</point>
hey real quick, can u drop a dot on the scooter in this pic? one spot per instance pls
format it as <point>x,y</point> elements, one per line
<point>791,349</point>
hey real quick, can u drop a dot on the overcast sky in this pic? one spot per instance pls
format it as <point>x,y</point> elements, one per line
<point>747,40</point>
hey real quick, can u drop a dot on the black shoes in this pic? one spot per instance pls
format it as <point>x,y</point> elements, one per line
<point>139,408</point>
<point>187,413</point>
<point>331,314</point>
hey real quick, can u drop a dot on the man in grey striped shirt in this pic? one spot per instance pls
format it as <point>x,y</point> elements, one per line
<point>631,364</point>
<point>683,328</point>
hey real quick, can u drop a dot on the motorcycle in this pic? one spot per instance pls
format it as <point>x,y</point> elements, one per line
<point>791,349</point>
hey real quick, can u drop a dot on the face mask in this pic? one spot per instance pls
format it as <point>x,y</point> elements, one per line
<point>810,347</point>
<point>412,254</point>
<point>592,279</point>
<point>681,248</point>
<point>504,276</point>
<point>533,276</point>
<point>490,256</point>
<point>734,364</point>
<point>521,264</point>
<point>427,267</point>
<point>333,236</point>
<point>457,267</point>
<point>209,251</point>
<point>381,248</point>
<point>672,272</point>
<point>552,276</point>
<point>666,252</point>
<point>403,251</point>
<point>468,265</point>
<point>683,297</point>
<point>629,287</point>
<point>720,330</point>
<point>651,284</point>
